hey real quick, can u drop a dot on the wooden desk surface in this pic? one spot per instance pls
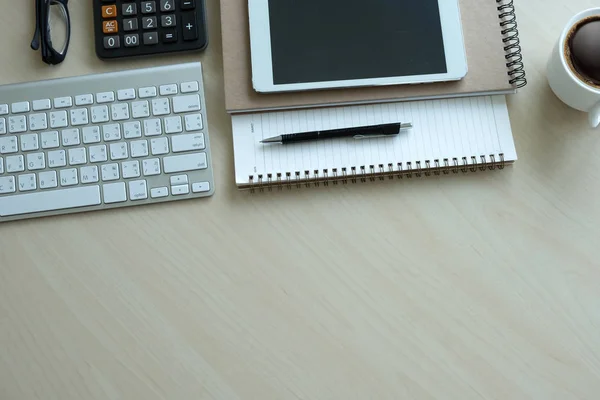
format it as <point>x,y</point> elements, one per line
<point>483,286</point>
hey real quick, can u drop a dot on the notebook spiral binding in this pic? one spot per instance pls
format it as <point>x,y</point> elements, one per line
<point>510,33</point>
<point>372,173</point>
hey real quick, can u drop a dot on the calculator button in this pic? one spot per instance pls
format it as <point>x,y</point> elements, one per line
<point>190,30</point>
<point>130,24</point>
<point>167,5</point>
<point>129,9</point>
<point>189,87</point>
<point>109,11</point>
<point>84,100</point>
<point>132,40</point>
<point>188,4</point>
<point>150,38</point>
<point>148,7</point>
<point>167,21</point>
<point>147,92</point>
<point>112,42</point>
<point>169,37</point>
<point>149,23</point>
<point>111,26</point>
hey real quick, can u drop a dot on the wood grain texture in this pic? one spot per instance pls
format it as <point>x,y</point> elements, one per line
<point>483,286</point>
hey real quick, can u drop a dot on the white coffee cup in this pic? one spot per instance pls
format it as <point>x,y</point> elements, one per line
<point>567,86</point>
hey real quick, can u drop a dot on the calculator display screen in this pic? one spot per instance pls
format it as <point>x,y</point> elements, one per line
<point>333,40</point>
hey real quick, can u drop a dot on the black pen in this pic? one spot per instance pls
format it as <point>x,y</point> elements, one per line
<point>361,132</point>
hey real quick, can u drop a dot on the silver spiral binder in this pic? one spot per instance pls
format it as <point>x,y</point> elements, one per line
<point>512,43</point>
<point>373,173</point>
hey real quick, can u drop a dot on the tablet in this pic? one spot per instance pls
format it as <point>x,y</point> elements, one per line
<point>318,44</point>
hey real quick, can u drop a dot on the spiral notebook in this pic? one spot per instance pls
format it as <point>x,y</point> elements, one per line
<point>449,136</point>
<point>493,53</point>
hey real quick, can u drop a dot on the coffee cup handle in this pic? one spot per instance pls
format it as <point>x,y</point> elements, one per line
<point>594,116</point>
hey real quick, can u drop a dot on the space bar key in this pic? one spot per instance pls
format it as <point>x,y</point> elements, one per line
<point>49,201</point>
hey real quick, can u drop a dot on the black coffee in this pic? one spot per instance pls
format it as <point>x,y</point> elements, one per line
<point>582,49</point>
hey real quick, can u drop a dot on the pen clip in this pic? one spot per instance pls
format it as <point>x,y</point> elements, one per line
<point>362,137</point>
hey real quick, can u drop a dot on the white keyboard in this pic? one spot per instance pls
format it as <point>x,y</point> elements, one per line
<point>103,141</point>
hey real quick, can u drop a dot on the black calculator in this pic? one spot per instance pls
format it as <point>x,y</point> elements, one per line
<point>128,28</point>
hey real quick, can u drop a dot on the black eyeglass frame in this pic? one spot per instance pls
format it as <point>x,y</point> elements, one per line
<point>42,35</point>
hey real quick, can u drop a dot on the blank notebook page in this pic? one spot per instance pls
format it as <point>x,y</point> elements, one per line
<point>442,130</point>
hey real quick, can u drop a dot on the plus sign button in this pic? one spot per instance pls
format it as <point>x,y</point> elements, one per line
<point>189,26</point>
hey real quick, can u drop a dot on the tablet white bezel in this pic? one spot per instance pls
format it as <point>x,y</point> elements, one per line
<point>262,61</point>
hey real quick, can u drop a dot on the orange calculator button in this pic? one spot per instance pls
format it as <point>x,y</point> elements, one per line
<point>110,26</point>
<point>109,11</point>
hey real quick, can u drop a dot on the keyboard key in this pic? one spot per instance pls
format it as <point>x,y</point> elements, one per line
<point>178,180</point>
<point>188,103</point>
<point>159,192</point>
<point>110,172</point>
<point>188,24</point>
<point>38,122</point>
<point>150,38</point>
<point>68,177</point>
<point>192,141</point>
<point>57,158</point>
<point>70,137</point>
<point>63,102</point>
<point>112,42</point>
<point>17,124</point>
<point>183,163</point>
<point>88,174</point>
<point>201,187</point>
<point>140,109</point>
<point>27,182</point>
<point>2,126</point>
<point>138,190</point>
<point>173,125</point>
<point>99,114</point>
<point>84,100</point>
<point>148,7</point>
<point>129,9</point>
<point>21,107</point>
<point>159,146</point>
<point>48,179</point>
<point>98,153</point>
<point>139,148</point>
<point>79,116</point>
<point>120,112</point>
<point>8,145</point>
<point>114,192</point>
<point>29,142</point>
<point>41,105</point>
<point>147,92</point>
<point>180,190</point>
<point>7,185</point>
<point>58,119</point>
<point>77,156</point>
<point>105,97</point>
<point>161,107</point>
<point>1,165</point>
<point>193,122</point>
<point>36,161</point>
<point>126,94</point>
<point>49,140</point>
<point>151,167</point>
<point>91,134</point>
<point>118,151</point>
<point>132,130</point>
<point>3,109</point>
<point>152,127</point>
<point>189,87</point>
<point>49,200</point>
<point>15,164</point>
<point>130,169</point>
<point>167,90</point>
<point>111,132</point>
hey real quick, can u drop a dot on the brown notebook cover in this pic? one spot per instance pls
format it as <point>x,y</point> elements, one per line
<point>486,57</point>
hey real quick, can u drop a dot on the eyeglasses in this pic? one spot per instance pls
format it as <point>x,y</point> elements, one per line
<point>45,23</point>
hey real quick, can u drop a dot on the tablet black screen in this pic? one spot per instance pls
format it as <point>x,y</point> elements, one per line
<point>332,40</point>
